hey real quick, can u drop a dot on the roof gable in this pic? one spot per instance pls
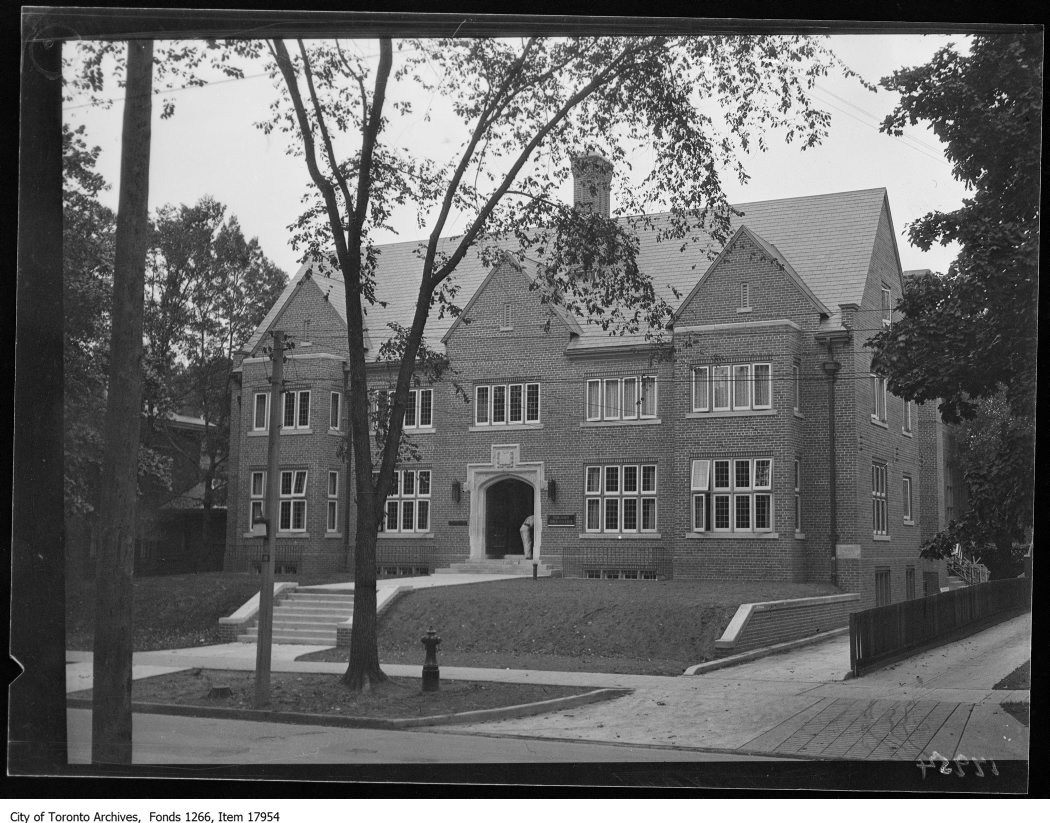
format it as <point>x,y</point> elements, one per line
<point>771,252</point>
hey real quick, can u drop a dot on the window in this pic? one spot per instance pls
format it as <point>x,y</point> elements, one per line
<point>258,503</point>
<point>949,503</point>
<point>620,499</point>
<point>335,411</point>
<point>909,582</point>
<point>627,398</point>
<point>887,311</point>
<point>906,417</point>
<point>515,403</point>
<point>882,587</point>
<point>701,389</point>
<point>296,410</point>
<point>732,495</point>
<point>798,496</point>
<point>419,411</point>
<point>762,395</point>
<point>906,499</point>
<point>408,504</point>
<point>261,412</point>
<point>699,483</point>
<point>739,387</point>
<point>878,498</point>
<point>720,388</point>
<point>506,317</point>
<point>293,501</point>
<point>745,296</point>
<point>797,385</point>
<point>878,398</point>
<point>333,502</point>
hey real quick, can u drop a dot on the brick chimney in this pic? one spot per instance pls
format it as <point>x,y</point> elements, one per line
<point>592,179</point>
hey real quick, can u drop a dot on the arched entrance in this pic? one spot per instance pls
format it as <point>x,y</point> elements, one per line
<point>507,503</point>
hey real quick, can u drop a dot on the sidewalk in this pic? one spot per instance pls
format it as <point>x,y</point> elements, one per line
<point>792,704</point>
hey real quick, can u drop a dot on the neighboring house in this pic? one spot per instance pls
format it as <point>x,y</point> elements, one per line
<point>169,527</point>
<point>714,462</point>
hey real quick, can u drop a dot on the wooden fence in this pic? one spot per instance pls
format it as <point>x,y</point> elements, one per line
<point>886,633</point>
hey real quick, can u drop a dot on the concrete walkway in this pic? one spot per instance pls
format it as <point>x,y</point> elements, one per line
<point>791,704</point>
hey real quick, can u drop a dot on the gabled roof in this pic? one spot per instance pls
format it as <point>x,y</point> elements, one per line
<point>826,241</point>
<point>773,253</point>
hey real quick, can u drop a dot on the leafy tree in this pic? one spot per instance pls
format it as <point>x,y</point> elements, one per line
<point>525,107</point>
<point>966,335</point>
<point>969,338</point>
<point>209,288</point>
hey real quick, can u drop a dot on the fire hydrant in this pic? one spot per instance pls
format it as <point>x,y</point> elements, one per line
<point>431,673</point>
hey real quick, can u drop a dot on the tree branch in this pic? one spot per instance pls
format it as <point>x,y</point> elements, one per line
<point>339,178</point>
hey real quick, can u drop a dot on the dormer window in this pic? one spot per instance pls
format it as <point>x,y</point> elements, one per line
<point>887,311</point>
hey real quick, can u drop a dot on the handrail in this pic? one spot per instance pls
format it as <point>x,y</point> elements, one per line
<point>970,571</point>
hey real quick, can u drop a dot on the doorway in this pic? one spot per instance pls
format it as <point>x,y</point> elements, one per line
<point>507,504</point>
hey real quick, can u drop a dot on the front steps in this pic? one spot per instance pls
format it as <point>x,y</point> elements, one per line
<point>307,617</point>
<point>513,565</point>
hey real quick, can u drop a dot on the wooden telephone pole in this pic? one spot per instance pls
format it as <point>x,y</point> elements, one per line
<point>273,519</point>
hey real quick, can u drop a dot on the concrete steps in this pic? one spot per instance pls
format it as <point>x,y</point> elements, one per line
<point>517,566</point>
<point>955,583</point>
<point>307,617</point>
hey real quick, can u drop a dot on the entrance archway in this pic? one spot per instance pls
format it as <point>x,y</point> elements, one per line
<point>507,503</point>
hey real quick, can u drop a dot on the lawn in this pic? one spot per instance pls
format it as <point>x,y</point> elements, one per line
<point>170,611</point>
<point>324,694</point>
<point>623,626</point>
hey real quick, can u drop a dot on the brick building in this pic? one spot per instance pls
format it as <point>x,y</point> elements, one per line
<point>713,459</point>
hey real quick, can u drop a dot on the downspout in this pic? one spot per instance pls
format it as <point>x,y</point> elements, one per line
<point>831,369</point>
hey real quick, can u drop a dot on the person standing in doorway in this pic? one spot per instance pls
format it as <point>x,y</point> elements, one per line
<point>526,536</point>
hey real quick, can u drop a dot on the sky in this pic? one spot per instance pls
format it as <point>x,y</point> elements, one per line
<point>211,146</point>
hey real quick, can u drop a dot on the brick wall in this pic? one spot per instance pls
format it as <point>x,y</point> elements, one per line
<point>757,625</point>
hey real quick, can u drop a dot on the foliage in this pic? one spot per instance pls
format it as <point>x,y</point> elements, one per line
<point>969,338</point>
<point>965,335</point>
<point>997,450</point>
<point>525,108</point>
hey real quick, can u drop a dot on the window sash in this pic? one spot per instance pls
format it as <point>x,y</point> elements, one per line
<point>532,402</point>
<point>742,474</point>
<point>409,421</point>
<point>742,386</point>
<point>258,484</point>
<point>426,408</point>
<point>612,480</point>
<point>721,513</point>
<point>481,405</point>
<point>878,398</point>
<point>594,399</point>
<point>763,512</point>
<point>700,476</point>
<point>333,484</point>
<point>763,388</point>
<point>722,477</point>
<point>422,515</point>
<point>611,397</point>
<point>499,405</point>
<point>797,383</point>
<point>630,480</point>
<point>906,415</point>
<point>612,514</point>
<point>594,508</point>
<point>763,474</point>
<point>906,498</point>
<point>701,389</point>
<point>720,388</point>
<point>648,514</point>
<point>261,420</point>
<point>334,417</point>
<point>742,512</point>
<point>631,403</point>
<point>333,516</point>
<point>745,296</point>
<point>304,410</point>
<point>648,409</point>
<point>289,410</point>
<point>699,512</point>
<point>517,411</point>
<point>593,480</point>
<point>649,478</point>
<point>630,514</point>
<point>887,311</point>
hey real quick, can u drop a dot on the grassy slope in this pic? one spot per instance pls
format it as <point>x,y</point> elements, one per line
<point>172,611</point>
<point>630,626</point>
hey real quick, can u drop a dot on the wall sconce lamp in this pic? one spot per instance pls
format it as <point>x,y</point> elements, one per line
<point>457,491</point>
<point>552,490</point>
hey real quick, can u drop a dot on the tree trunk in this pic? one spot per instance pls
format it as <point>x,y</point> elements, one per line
<point>111,698</point>
<point>363,672</point>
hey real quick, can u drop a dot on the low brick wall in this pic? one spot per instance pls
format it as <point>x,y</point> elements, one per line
<point>756,625</point>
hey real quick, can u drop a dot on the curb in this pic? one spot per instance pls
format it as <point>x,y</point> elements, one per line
<point>302,719</point>
<point>765,651</point>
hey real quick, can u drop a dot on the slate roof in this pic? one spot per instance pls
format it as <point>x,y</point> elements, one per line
<point>827,239</point>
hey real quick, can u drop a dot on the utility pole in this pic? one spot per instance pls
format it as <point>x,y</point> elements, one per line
<point>265,637</point>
